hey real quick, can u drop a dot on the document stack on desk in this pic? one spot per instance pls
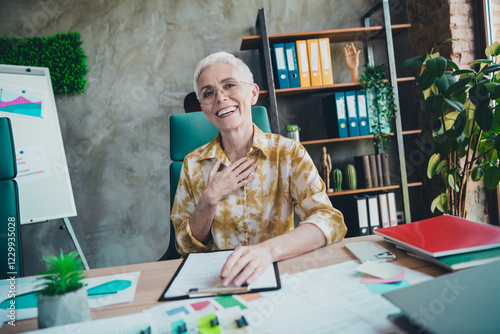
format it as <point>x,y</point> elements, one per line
<point>451,242</point>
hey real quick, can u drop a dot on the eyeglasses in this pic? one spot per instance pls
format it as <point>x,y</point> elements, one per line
<point>229,88</point>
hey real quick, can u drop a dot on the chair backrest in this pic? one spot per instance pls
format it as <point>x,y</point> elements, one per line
<point>187,133</point>
<point>10,222</point>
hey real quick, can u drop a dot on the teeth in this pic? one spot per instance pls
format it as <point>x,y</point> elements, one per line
<point>226,111</point>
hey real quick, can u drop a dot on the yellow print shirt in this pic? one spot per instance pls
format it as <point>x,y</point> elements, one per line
<point>263,209</point>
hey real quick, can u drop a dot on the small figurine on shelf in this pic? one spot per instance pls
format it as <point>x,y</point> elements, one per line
<point>293,131</point>
<point>325,168</point>
<point>352,60</point>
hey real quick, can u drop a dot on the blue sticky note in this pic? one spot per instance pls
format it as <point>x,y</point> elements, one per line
<point>177,310</point>
<point>380,288</point>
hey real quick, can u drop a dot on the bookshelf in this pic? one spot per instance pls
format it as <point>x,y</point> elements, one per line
<point>262,41</point>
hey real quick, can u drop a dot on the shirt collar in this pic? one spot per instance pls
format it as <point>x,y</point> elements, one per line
<point>214,148</point>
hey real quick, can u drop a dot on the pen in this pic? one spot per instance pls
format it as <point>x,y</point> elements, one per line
<point>217,290</point>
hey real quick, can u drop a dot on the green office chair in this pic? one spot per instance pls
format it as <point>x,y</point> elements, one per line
<point>188,132</point>
<point>10,224</point>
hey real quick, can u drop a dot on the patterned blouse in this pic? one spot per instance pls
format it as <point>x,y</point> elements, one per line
<point>263,209</point>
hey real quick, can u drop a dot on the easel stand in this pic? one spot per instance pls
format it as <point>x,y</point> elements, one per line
<point>71,232</point>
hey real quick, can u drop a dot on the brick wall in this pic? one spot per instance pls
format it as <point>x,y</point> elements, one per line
<point>433,21</point>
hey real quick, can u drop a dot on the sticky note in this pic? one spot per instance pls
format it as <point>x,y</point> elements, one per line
<point>229,301</point>
<point>378,289</point>
<point>200,305</point>
<point>369,279</point>
<point>381,270</point>
<point>205,326</point>
<point>250,296</point>
<point>177,310</point>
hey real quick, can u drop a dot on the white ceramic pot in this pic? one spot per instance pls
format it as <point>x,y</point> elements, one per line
<point>64,309</point>
<point>294,135</point>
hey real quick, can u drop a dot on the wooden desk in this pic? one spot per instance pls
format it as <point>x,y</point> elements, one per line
<point>155,276</point>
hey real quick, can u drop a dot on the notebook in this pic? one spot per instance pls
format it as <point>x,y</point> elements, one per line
<point>443,235</point>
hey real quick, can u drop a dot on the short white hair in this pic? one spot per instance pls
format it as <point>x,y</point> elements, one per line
<point>222,57</point>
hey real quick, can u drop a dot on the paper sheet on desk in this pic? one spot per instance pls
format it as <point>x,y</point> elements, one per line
<point>24,285</point>
<point>325,300</point>
<point>199,273</point>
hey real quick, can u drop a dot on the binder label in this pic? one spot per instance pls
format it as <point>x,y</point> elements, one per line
<point>324,53</point>
<point>303,58</point>
<point>314,58</point>
<point>341,109</point>
<point>280,59</point>
<point>291,62</point>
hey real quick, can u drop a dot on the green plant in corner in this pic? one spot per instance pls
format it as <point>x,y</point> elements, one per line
<point>64,274</point>
<point>464,123</point>
<point>380,95</point>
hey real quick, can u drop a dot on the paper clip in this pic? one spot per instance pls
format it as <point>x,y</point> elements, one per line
<point>388,256</point>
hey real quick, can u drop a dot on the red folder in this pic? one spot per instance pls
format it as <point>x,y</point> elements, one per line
<point>443,235</point>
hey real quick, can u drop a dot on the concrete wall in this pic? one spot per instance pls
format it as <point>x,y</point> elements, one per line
<point>141,55</point>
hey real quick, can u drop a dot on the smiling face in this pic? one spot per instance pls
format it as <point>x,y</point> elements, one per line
<point>228,113</point>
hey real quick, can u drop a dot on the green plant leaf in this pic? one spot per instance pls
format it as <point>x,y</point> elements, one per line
<point>440,203</point>
<point>492,177</point>
<point>443,41</point>
<point>444,82</point>
<point>426,79</point>
<point>493,49</point>
<point>453,65</point>
<point>477,174</point>
<point>481,61</point>
<point>454,104</point>
<point>449,119</point>
<point>491,68</point>
<point>451,182</point>
<point>459,85</point>
<point>436,66</point>
<point>462,72</point>
<point>413,62</point>
<point>434,103</point>
<point>443,144</point>
<point>484,118</point>
<point>443,164</point>
<point>433,165</point>
<point>494,90</point>
<point>479,95</point>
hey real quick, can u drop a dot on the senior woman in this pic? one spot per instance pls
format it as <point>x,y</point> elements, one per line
<point>238,191</point>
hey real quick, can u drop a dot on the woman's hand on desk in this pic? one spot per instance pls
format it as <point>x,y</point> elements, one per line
<point>246,264</point>
<point>222,184</point>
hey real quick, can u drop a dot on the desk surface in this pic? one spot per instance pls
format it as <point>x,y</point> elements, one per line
<point>155,276</point>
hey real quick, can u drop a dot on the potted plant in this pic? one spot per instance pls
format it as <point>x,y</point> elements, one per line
<point>293,131</point>
<point>63,300</point>
<point>464,123</point>
<point>380,95</point>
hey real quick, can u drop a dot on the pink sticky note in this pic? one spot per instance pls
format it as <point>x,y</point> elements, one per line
<point>371,279</point>
<point>200,305</point>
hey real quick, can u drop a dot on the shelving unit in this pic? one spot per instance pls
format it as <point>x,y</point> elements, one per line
<point>367,34</point>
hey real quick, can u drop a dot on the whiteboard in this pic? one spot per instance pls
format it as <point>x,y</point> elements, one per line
<point>26,97</point>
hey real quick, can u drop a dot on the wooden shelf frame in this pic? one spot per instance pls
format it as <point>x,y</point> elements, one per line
<point>335,35</point>
<point>263,41</point>
<point>371,190</point>
<point>337,140</point>
<point>340,87</point>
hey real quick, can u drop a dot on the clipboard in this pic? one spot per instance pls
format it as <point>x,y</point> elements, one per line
<point>198,276</point>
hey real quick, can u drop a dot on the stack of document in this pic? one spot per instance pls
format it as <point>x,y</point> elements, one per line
<point>451,242</point>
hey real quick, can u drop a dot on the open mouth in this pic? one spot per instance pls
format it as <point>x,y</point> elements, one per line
<point>226,111</point>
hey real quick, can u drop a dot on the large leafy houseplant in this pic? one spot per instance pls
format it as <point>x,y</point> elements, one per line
<point>63,299</point>
<point>381,101</point>
<point>464,123</point>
